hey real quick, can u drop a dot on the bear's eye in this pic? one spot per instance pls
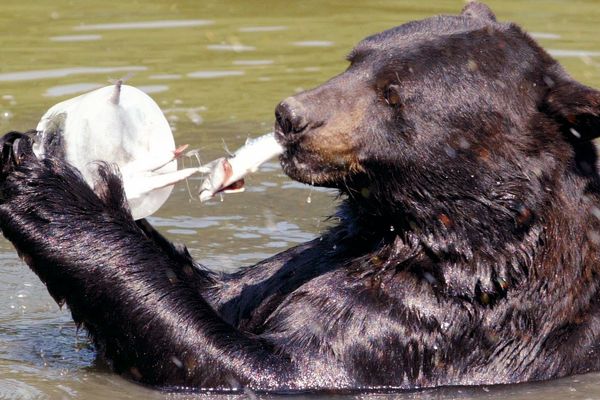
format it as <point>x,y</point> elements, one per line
<point>391,95</point>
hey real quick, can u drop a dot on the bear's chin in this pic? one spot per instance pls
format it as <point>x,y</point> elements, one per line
<point>307,169</point>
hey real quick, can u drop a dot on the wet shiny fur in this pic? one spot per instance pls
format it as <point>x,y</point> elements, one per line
<point>467,250</point>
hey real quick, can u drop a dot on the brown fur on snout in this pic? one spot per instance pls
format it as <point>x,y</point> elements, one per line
<point>337,142</point>
<point>330,147</point>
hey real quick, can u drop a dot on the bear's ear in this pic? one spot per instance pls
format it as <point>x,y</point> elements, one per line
<point>475,9</point>
<point>575,106</point>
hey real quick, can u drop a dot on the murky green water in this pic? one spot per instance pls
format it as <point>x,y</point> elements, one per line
<point>217,68</point>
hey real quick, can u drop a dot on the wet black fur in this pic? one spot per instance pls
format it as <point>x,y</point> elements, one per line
<point>467,250</point>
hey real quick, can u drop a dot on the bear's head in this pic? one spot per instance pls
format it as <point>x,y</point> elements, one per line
<point>452,122</point>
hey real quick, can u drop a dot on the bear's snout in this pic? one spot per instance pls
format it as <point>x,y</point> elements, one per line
<point>291,119</point>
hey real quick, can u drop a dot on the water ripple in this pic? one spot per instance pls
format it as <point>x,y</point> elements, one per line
<point>64,72</point>
<point>262,28</point>
<point>573,53</point>
<point>75,38</point>
<point>214,74</point>
<point>75,88</point>
<point>230,47</point>
<point>165,76</point>
<point>149,89</point>
<point>313,43</point>
<point>184,23</point>
<point>544,35</point>
<point>252,62</point>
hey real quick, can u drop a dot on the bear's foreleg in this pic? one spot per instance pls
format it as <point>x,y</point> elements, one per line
<point>139,298</point>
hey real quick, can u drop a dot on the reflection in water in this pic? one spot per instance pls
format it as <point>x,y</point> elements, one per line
<point>150,89</point>
<point>73,88</point>
<point>311,69</point>
<point>192,113</point>
<point>262,28</point>
<point>573,53</point>
<point>544,35</point>
<point>144,25</point>
<point>214,74</point>
<point>313,43</point>
<point>76,38</point>
<point>252,62</point>
<point>64,72</point>
<point>185,221</point>
<point>165,76</point>
<point>230,47</point>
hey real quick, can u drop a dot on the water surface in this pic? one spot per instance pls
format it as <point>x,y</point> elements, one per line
<point>217,69</point>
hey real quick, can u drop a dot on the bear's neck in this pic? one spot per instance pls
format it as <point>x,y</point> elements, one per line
<point>473,248</point>
<point>457,267</point>
<point>456,225</point>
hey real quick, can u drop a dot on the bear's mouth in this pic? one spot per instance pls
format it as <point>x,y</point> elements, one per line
<point>295,162</point>
<point>305,163</point>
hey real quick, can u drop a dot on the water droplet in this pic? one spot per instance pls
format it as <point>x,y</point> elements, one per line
<point>195,117</point>
<point>450,151</point>
<point>594,237</point>
<point>575,133</point>
<point>472,65</point>
<point>171,276</point>
<point>177,362</point>
<point>6,115</point>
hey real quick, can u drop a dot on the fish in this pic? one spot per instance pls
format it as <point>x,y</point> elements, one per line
<point>117,124</point>
<point>121,125</point>
<point>226,174</point>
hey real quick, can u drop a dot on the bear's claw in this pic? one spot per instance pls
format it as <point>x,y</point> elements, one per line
<point>16,147</point>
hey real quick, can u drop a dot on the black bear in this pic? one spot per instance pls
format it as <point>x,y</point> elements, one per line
<point>468,248</point>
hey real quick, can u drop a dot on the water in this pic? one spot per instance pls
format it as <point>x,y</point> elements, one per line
<point>217,68</point>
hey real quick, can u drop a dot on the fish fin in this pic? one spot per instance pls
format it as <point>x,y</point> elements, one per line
<point>210,167</point>
<point>227,149</point>
<point>178,152</point>
<point>116,96</point>
<point>196,154</point>
<point>205,195</point>
<point>140,185</point>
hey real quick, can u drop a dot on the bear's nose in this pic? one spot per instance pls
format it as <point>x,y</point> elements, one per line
<point>290,115</point>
